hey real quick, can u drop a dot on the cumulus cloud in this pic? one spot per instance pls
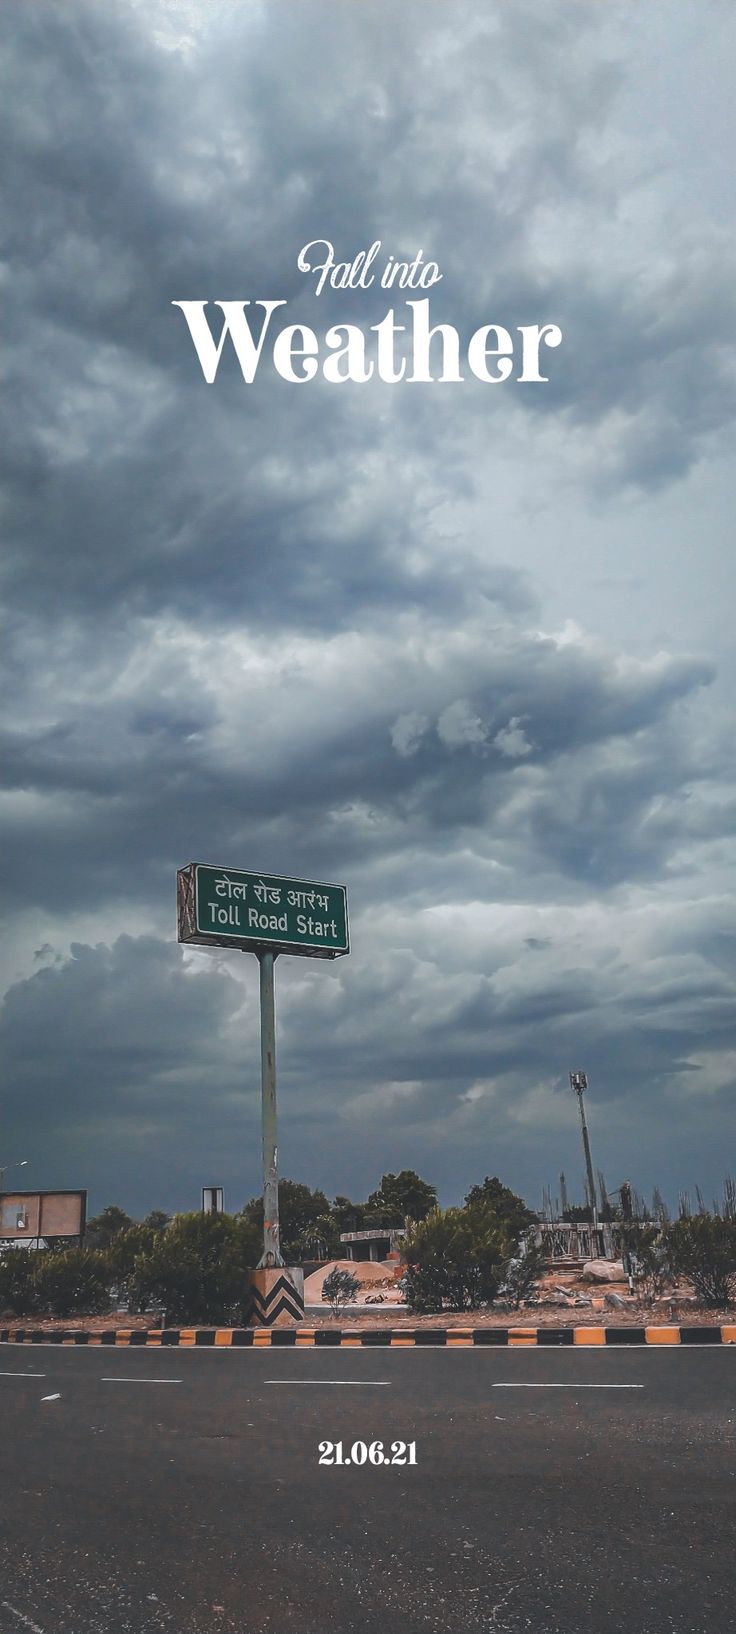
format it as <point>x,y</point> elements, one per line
<point>459,726</point>
<point>512,740</point>
<point>407,732</point>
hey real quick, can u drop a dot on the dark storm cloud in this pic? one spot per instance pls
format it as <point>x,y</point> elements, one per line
<point>88,1001</point>
<point>246,622</point>
<point>124,1044</point>
<point>118,1055</point>
<point>175,175</point>
<point>123,781</point>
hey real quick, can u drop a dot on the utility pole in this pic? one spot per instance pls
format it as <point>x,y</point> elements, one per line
<point>579,1082</point>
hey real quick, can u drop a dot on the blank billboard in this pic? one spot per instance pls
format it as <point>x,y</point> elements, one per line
<point>30,1214</point>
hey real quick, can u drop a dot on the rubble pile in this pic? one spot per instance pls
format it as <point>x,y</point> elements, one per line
<point>376,1281</point>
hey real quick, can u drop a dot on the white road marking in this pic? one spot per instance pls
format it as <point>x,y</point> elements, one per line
<point>358,1382</point>
<point>22,1375</point>
<point>118,1379</point>
<point>24,1621</point>
<point>505,1386</point>
<point>55,1397</point>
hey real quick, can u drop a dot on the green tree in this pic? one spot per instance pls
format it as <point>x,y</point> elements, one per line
<point>105,1226</point>
<point>299,1210</point>
<point>702,1247</point>
<point>197,1270</point>
<point>456,1259</point>
<point>157,1220</point>
<point>347,1216</point>
<point>509,1211</point>
<point>318,1241</point>
<point>400,1197</point>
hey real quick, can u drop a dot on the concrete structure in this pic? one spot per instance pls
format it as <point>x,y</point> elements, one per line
<point>566,1244</point>
<point>380,1243</point>
<point>277,1296</point>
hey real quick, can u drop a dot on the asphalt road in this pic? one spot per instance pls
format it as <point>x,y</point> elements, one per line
<point>180,1491</point>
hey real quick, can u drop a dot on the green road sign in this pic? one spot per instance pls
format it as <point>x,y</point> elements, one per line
<point>224,907</point>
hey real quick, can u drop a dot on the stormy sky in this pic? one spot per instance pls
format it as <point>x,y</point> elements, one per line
<point>468,649</point>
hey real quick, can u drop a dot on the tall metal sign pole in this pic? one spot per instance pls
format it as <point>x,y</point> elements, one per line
<point>579,1082</point>
<point>265,915</point>
<point>269,1122</point>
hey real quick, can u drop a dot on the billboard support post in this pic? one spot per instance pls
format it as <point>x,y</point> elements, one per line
<point>269,1125</point>
<point>265,914</point>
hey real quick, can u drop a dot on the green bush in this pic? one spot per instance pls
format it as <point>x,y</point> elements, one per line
<point>703,1248</point>
<point>522,1272</point>
<point>646,1251</point>
<point>18,1292</point>
<point>339,1288</point>
<point>76,1282</point>
<point>456,1259</point>
<point>197,1269</point>
<point>127,1249</point>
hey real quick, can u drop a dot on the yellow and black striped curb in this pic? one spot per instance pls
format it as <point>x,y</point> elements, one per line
<point>302,1338</point>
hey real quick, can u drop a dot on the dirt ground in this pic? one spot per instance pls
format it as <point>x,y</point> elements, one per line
<point>634,1316</point>
<point>119,1320</point>
<point>554,1311</point>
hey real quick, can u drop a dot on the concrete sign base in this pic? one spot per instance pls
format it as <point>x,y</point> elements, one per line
<point>277,1297</point>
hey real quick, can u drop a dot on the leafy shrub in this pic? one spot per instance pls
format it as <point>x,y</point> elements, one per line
<point>339,1288</point>
<point>126,1251</point>
<point>72,1283</point>
<point>648,1257</point>
<point>197,1269</point>
<point>522,1272</point>
<point>18,1292</point>
<point>456,1259</point>
<point>76,1283</point>
<point>702,1247</point>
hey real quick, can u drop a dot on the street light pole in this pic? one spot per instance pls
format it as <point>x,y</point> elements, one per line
<point>5,1166</point>
<point>579,1082</point>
